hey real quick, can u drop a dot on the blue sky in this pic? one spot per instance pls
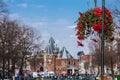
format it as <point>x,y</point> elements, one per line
<point>53,18</point>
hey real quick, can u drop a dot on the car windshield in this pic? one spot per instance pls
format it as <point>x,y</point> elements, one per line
<point>51,74</point>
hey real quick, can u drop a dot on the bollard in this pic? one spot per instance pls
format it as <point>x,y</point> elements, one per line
<point>41,79</point>
<point>118,77</point>
<point>13,77</point>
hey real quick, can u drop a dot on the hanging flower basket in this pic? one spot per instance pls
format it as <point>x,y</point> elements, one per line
<point>90,22</point>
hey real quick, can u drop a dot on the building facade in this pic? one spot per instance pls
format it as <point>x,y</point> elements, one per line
<point>52,59</point>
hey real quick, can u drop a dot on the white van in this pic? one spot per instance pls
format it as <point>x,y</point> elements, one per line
<point>51,74</point>
<point>34,74</point>
<point>46,74</point>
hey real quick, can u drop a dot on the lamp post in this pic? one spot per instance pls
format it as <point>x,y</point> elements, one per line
<point>95,2</point>
<point>102,41</point>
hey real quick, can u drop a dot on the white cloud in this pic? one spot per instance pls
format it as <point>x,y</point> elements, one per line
<point>72,36</point>
<point>72,27</point>
<point>45,34</point>
<point>8,1</point>
<point>15,16</point>
<point>40,6</point>
<point>18,17</point>
<point>45,37</point>
<point>39,24</point>
<point>23,5</point>
<point>42,23</point>
<point>43,18</point>
<point>112,0</point>
<point>61,22</point>
<point>57,41</point>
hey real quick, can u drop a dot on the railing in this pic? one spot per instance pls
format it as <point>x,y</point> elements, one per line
<point>80,77</point>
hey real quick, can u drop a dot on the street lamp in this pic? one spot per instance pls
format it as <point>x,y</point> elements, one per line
<point>95,2</point>
<point>102,41</point>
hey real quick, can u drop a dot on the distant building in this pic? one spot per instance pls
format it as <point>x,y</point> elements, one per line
<point>52,59</point>
<point>85,63</point>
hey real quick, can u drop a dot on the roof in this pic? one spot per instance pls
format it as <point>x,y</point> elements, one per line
<point>65,53</point>
<point>80,53</point>
<point>52,48</point>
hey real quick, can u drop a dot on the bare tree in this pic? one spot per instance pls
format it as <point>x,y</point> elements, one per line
<point>27,42</point>
<point>95,52</point>
<point>16,42</point>
<point>8,38</point>
<point>109,53</point>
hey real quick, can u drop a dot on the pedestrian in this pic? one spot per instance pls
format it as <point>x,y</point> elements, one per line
<point>95,76</point>
<point>0,76</point>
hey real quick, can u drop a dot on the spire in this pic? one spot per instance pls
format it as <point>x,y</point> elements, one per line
<point>65,53</point>
<point>56,49</point>
<point>51,40</point>
<point>52,47</point>
<point>47,49</point>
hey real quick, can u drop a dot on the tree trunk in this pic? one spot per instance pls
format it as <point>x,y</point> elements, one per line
<point>8,67</point>
<point>34,64</point>
<point>21,67</point>
<point>13,66</point>
<point>3,76</point>
<point>111,62</point>
<point>98,70</point>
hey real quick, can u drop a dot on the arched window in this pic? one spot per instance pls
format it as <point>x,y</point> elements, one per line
<point>41,68</point>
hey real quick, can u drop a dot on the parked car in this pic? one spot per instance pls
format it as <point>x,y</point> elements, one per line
<point>41,74</point>
<point>51,74</point>
<point>34,74</point>
<point>46,74</point>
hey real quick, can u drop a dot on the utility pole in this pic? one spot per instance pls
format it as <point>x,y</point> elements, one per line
<point>95,2</point>
<point>102,41</point>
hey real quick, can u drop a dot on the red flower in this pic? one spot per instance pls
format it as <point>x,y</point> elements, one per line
<point>94,40</point>
<point>112,38</point>
<point>78,32</point>
<point>98,11</point>
<point>90,21</point>
<point>107,11</point>
<point>80,15</point>
<point>80,37</point>
<point>98,27</point>
<point>79,43</point>
<point>79,26</point>
<point>108,14</point>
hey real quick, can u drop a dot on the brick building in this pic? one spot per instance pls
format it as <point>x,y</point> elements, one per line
<point>52,59</point>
